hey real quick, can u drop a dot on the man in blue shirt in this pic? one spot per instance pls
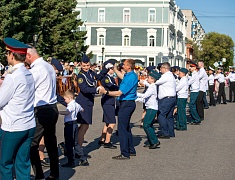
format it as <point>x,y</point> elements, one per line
<point>126,96</point>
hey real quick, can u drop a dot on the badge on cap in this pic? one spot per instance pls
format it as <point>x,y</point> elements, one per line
<point>16,46</point>
<point>106,80</point>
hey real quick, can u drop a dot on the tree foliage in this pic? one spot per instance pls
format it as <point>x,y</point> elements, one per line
<point>216,46</point>
<point>55,22</point>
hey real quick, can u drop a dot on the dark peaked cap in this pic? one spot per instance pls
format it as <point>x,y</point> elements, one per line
<point>150,68</point>
<point>57,64</point>
<point>85,59</point>
<point>112,61</point>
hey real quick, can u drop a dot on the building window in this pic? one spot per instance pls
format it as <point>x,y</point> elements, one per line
<point>101,40</point>
<point>151,41</point>
<point>151,35</point>
<point>126,37</point>
<point>152,15</point>
<point>126,40</point>
<point>151,61</point>
<point>101,36</point>
<point>101,15</point>
<point>126,15</point>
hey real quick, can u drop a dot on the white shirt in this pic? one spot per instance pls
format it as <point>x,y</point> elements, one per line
<point>167,85</point>
<point>231,77</point>
<point>149,97</point>
<point>73,108</point>
<point>211,79</point>
<point>194,82</point>
<point>16,100</point>
<point>182,88</point>
<point>45,82</point>
<point>203,80</point>
<point>220,77</point>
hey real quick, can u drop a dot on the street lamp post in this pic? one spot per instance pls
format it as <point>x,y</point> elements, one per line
<point>35,39</point>
<point>102,54</point>
<point>77,44</point>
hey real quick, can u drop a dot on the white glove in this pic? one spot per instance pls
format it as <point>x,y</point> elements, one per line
<point>109,65</point>
<point>139,100</point>
<point>97,89</point>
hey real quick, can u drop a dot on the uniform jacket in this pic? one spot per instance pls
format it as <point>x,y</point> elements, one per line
<point>87,84</point>
<point>108,82</point>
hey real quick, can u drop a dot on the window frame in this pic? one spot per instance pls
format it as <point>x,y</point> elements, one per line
<point>99,15</point>
<point>124,15</point>
<point>149,15</point>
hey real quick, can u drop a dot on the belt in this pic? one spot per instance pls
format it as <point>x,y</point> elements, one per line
<point>168,97</point>
<point>46,106</point>
<point>125,100</point>
<point>70,122</point>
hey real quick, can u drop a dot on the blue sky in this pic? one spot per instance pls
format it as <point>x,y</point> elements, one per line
<point>214,15</point>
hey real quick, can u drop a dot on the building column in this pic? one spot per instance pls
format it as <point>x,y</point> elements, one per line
<point>165,37</point>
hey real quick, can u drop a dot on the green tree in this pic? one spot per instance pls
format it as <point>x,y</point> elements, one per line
<point>216,46</point>
<point>16,20</point>
<point>55,22</point>
<point>58,29</point>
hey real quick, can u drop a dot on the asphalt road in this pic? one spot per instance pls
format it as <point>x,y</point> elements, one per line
<point>203,152</point>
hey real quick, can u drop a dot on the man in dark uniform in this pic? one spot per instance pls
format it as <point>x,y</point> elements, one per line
<point>88,88</point>
<point>108,105</point>
<point>127,95</point>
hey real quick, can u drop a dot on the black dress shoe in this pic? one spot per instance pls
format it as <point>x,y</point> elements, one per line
<point>101,143</point>
<point>109,145</point>
<point>163,137</point>
<point>120,157</point>
<point>83,163</point>
<point>132,154</point>
<point>206,107</point>
<point>146,146</point>
<point>51,178</point>
<point>68,165</point>
<point>196,123</point>
<point>154,146</point>
<point>45,163</point>
<point>224,103</point>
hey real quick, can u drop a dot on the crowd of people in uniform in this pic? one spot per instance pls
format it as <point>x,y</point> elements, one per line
<point>28,107</point>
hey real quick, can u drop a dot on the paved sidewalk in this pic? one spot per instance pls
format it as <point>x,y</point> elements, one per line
<point>204,152</point>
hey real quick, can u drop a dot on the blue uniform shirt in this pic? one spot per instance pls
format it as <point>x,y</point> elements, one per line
<point>128,87</point>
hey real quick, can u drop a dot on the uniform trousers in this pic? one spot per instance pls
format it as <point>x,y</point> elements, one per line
<point>46,118</point>
<point>232,91</point>
<point>71,141</point>
<point>193,107</point>
<point>200,105</point>
<point>15,149</point>
<point>205,103</point>
<point>125,112</point>
<point>211,92</point>
<point>165,118</point>
<point>221,93</point>
<point>148,126</point>
<point>181,114</point>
